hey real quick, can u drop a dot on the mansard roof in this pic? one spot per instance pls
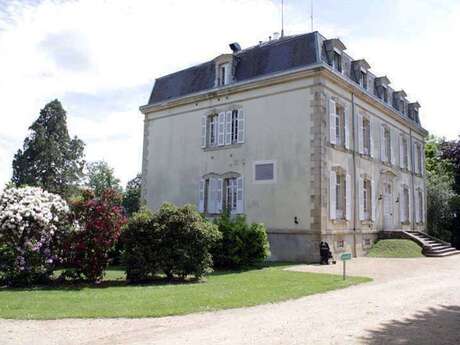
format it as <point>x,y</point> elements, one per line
<point>266,58</point>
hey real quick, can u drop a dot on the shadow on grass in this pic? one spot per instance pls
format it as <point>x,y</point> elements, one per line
<point>434,326</point>
<point>67,285</point>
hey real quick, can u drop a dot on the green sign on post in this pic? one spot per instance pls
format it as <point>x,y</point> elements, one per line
<point>344,257</point>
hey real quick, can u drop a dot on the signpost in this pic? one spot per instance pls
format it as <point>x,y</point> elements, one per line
<point>344,257</point>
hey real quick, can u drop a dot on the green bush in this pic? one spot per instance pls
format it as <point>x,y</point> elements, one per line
<point>242,245</point>
<point>175,241</point>
<point>141,243</point>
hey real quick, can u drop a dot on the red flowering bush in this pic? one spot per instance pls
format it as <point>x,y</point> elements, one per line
<point>100,221</point>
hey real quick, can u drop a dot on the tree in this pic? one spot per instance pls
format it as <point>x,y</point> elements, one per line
<point>440,193</point>
<point>132,195</point>
<point>100,177</point>
<point>50,158</point>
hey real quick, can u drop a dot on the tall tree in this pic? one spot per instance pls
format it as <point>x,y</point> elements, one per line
<point>100,177</point>
<point>132,195</point>
<point>50,158</point>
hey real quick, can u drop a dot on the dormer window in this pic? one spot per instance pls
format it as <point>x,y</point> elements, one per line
<point>337,62</point>
<point>224,74</point>
<point>401,106</point>
<point>363,80</point>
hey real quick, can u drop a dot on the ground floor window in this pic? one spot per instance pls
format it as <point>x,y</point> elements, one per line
<point>367,205</point>
<point>404,204</point>
<point>221,192</point>
<point>340,195</point>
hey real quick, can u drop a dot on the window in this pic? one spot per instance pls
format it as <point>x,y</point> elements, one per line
<point>264,171</point>
<point>363,80</point>
<point>367,199</point>
<point>212,130</point>
<point>401,106</point>
<point>418,152</point>
<point>420,206</point>
<point>386,144</point>
<point>366,136</point>
<point>404,153</point>
<point>385,94</point>
<point>340,196</point>
<point>339,133</point>
<point>225,128</point>
<point>340,244</point>
<point>367,242</point>
<point>223,74</point>
<point>404,204</point>
<point>218,193</point>
<point>337,62</point>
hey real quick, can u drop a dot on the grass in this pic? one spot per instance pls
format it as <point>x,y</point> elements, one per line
<point>395,249</point>
<point>115,298</point>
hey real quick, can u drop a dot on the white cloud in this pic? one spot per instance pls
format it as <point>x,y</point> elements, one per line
<point>94,46</point>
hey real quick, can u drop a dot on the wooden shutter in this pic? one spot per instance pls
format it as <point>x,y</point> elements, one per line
<point>204,119</point>
<point>332,196</point>
<point>373,202</point>
<point>228,128</point>
<point>241,127</point>
<point>360,134</point>
<point>401,151</point>
<point>348,201</point>
<point>221,129</point>
<point>219,195</point>
<point>201,195</point>
<point>382,144</point>
<point>371,137</point>
<point>402,205</point>
<point>346,126</point>
<point>393,143</point>
<point>361,200</point>
<point>240,195</point>
<point>332,124</point>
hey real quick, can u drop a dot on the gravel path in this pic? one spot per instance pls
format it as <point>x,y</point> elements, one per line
<point>411,301</point>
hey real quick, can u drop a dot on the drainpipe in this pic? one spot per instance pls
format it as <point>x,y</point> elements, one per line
<point>353,152</point>
<point>411,150</point>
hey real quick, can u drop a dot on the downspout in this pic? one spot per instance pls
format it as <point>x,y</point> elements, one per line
<point>353,152</point>
<point>411,150</point>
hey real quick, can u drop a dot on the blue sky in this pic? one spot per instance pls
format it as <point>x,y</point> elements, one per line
<point>100,58</point>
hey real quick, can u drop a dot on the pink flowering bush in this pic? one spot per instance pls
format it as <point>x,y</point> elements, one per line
<point>87,249</point>
<point>33,224</point>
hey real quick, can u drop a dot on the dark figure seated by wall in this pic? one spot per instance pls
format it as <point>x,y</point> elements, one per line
<point>325,253</point>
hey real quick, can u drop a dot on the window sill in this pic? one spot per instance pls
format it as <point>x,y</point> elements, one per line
<point>218,148</point>
<point>339,221</point>
<point>405,223</point>
<point>366,156</point>
<point>367,222</point>
<point>340,148</point>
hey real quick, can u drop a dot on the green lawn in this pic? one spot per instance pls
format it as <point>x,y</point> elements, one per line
<point>395,249</point>
<point>220,290</point>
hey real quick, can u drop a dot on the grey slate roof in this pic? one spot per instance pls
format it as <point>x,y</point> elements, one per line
<point>267,58</point>
<point>272,57</point>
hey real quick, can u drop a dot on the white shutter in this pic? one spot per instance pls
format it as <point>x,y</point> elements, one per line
<point>240,195</point>
<point>360,134</point>
<point>373,202</point>
<point>241,127</point>
<point>361,200</point>
<point>348,197</point>
<point>221,129</point>
<point>402,204</point>
<point>401,152</point>
<point>372,145</point>
<point>409,155</point>
<point>382,144</point>
<point>332,196</point>
<point>410,216</point>
<point>346,120</point>
<point>201,195</point>
<point>417,208</point>
<point>332,124</point>
<point>212,196</point>
<point>219,190</point>
<point>203,130</point>
<point>414,154</point>
<point>228,128</point>
<point>393,142</point>
<point>422,156</point>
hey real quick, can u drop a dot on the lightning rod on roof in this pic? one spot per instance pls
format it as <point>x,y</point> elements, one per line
<point>311,14</point>
<point>282,18</point>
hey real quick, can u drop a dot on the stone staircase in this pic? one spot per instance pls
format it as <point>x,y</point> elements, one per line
<point>431,246</point>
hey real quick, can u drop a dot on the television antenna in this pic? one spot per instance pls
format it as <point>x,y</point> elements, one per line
<point>282,18</point>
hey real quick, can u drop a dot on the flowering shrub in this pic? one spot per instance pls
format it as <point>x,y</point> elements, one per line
<point>100,221</point>
<point>33,224</point>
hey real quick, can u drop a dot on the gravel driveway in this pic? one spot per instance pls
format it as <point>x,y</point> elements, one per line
<point>411,301</point>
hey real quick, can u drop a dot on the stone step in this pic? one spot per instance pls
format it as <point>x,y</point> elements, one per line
<point>443,250</point>
<point>440,255</point>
